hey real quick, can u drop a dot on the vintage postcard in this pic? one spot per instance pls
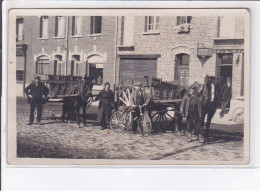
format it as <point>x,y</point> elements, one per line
<point>128,87</point>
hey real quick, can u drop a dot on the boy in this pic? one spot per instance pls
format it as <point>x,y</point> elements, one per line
<point>191,110</point>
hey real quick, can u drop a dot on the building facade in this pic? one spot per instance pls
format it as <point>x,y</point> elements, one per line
<point>61,45</point>
<point>181,49</point>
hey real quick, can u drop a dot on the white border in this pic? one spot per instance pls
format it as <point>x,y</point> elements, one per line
<point>133,178</point>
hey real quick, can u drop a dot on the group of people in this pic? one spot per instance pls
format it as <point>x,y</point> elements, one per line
<point>190,108</point>
<point>37,93</point>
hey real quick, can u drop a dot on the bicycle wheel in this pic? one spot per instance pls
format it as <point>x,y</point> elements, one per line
<point>238,115</point>
<point>145,125</point>
<point>116,122</point>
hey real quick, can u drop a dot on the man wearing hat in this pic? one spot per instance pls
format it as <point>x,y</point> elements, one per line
<point>226,94</point>
<point>191,110</point>
<point>36,93</point>
<point>139,98</point>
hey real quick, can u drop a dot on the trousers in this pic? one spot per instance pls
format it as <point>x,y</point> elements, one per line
<point>33,105</point>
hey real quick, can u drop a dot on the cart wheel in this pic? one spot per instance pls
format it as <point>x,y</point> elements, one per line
<point>238,115</point>
<point>183,132</point>
<point>161,121</point>
<point>116,123</point>
<point>145,125</point>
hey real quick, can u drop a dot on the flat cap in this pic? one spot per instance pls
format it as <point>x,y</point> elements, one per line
<point>37,77</point>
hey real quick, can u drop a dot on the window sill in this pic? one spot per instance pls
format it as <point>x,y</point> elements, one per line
<point>42,38</point>
<point>94,35</point>
<point>151,33</point>
<point>76,36</point>
<point>58,37</point>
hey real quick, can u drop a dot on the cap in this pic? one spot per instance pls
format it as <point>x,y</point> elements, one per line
<point>37,77</point>
<point>229,79</point>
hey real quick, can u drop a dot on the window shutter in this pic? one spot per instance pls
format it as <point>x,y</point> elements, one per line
<point>56,26</point>
<point>72,67</point>
<point>73,25</point>
<point>41,22</point>
<point>157,23</point>
<point>145,23</point>
<point>91,24</point>
<point>178,20</point>
<point>36,67</point>
<point>55,67</point>
<point>122,29</point>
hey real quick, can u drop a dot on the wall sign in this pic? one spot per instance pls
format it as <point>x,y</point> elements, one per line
<point>204,52</point>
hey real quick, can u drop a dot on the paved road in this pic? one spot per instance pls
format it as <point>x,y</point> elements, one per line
<point>54,139</point>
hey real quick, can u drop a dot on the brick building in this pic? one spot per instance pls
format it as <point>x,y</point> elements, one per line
<point>62,45</point>
<point>181,49</point>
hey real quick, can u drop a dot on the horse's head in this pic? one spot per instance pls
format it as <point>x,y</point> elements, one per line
<point>210,88</point>
<point>88,85</point>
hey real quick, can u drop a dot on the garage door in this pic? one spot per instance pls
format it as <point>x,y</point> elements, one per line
<point>137,68</point>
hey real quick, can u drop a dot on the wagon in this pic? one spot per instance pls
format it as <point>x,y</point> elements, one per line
<point>61,86</point>
<point>164,109</point>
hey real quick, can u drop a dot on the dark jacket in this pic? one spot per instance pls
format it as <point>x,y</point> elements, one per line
<point>36,91</point>
<point>185,105</point>
<point>147,98</point>
<point>226,92</point>
<point>105,105</point>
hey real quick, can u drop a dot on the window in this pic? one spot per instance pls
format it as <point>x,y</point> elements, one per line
<point>19,75</point>
<point>226,59</point>
<point>59,26</point>
<point>96,25</point>
<point>183,19</point>
<point>76,26</point>
<point>59,68</point>
<point>19,30</point>
<point>44,23</point>
<point>42,65</point>
<point>151,23</point>
<point>127,30</point>
<point>227,27</point>
<point>75,64</point>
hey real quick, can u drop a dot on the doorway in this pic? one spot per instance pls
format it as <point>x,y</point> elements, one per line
<point>224,73</point>
<point>182,69</point>
<point>96,73</point>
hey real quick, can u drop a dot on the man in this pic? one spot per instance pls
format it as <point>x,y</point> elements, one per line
<point>191,110</point>
<point>36,93</point>
<point>139,98</point>
<point>226,94</point>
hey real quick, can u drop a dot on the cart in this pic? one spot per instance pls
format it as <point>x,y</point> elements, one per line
<point>163,111</point>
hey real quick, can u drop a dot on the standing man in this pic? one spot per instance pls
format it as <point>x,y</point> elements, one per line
<point>139,98</point>
<point>36,93</point>
<point>226,94</point>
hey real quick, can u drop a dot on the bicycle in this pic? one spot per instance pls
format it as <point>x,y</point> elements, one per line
<point>123,121</point>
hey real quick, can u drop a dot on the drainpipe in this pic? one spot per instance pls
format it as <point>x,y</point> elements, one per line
<point>67,45</point>
<point>24,47</point>
<point>116,33</point>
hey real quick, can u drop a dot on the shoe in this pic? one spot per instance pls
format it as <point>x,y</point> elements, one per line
<point>102,128</point>
<point>189,138</point>
<point>39,123</point>
<point>30,123</point>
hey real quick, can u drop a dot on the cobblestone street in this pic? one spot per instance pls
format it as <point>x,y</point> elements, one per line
<point>54,139</point>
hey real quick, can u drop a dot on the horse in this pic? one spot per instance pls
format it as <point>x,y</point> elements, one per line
<point>209,94</point>
<point>72,104</point>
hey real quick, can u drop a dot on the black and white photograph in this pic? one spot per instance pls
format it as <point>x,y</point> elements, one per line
<point>129,87</point>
